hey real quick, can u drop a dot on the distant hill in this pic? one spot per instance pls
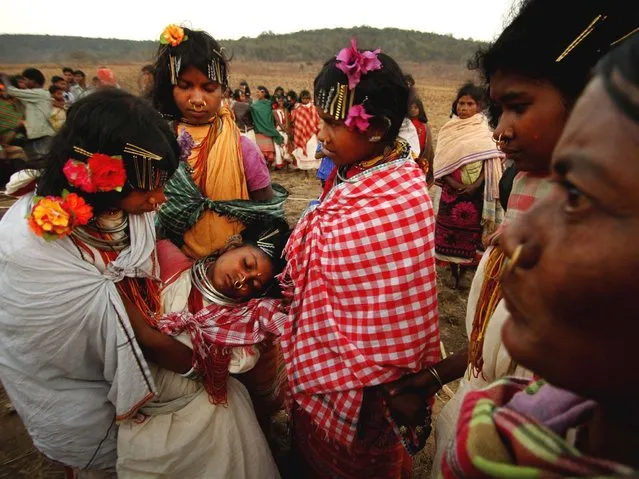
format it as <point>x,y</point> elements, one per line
<point>313,45</point>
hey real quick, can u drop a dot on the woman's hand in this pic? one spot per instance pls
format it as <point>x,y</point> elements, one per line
<point>407,397</point>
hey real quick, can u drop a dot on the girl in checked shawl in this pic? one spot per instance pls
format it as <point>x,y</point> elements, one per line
<point>534,93</point>
<point>305,127</point>
<point>361,278</point>
<point>221,168</point>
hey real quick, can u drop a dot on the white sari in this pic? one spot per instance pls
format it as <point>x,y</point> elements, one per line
<point>69,360</point>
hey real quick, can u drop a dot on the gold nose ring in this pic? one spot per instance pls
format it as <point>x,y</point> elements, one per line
<point>510,264</point>
<point>239,283</point>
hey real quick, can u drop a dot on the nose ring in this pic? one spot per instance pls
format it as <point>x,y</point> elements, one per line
<point>199,106</point>
<point>498,142</point>
<point>510,264</point>
<point>239,283</point>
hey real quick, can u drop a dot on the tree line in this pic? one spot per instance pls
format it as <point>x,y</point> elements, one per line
<point>310,45</point>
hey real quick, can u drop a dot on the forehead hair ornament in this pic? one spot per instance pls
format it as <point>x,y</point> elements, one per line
<point>268,246</point>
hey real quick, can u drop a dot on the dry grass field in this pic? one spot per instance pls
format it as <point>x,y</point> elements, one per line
<point>436,84</point>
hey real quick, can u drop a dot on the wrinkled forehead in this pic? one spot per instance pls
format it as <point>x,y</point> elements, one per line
<point>599,134</point>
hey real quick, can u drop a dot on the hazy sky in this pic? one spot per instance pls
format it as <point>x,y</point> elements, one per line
<point>145,20</point>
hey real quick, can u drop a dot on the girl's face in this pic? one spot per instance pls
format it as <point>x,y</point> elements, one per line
<point>533,117</point>
<point>346,146</point>
<point>306,100</point>
<point>413,111</point>
<point>141,201</point>
<point>572,300</point>
<point>242,273</point>
<point>280,102</point>
<point>466,107</point>
<point>197,97</point>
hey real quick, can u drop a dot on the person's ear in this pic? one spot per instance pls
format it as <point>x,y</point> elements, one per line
<point>379,129</point>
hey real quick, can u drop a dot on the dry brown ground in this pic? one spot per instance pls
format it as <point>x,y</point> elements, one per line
<point>436,84</point>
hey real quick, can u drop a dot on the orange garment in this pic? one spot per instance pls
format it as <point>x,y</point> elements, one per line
<point>220,176</point>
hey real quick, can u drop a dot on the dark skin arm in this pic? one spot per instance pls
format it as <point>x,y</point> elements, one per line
<point>407,396</point>
<point>263,194</point>
<point>163,350</point>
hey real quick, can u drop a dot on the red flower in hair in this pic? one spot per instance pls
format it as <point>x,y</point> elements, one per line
<point>107,172</point>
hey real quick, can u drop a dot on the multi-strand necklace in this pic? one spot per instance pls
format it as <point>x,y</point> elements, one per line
<point>200,279</point>
<point>111,238</point>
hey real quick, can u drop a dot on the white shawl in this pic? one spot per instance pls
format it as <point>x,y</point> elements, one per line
<point>69,360</point>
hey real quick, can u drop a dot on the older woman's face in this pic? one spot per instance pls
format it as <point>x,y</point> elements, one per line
<point>573,298</point>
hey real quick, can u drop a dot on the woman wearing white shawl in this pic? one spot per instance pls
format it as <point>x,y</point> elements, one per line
<point>77,276</point>
<point>468,167</point>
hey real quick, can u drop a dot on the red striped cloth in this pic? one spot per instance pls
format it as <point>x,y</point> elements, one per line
<point>361,272</point>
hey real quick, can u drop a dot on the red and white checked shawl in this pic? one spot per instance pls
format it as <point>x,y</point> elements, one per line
<point>306,123</point>
<point>364,301</point>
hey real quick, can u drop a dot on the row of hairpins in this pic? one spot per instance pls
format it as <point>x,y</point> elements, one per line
<point>146,175</point>
<point>587,31</point>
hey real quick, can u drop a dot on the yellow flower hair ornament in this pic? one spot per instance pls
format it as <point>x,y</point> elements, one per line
<point>173,35</point>
<point>54,217</point>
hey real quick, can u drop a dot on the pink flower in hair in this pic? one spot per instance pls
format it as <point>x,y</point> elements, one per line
<point>78,175</point>
<point>355,63</point>
<point>358,118</point>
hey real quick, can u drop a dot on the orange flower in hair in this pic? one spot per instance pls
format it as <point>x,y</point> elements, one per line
<point>172,35</point>
<point>54,217</point>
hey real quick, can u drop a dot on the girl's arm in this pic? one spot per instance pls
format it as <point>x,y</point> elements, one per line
<point>163,350</point>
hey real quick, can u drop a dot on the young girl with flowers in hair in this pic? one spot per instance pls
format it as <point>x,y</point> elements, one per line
<point>360,278</point>
<point>79,288</point>
<point>223,183</point>
<point>220,166</point>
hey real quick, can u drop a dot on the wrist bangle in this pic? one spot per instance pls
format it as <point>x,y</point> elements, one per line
<point>191,374</point>
<point>435,374</point>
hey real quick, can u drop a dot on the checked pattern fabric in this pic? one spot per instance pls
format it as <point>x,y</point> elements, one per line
<point>361,277</point>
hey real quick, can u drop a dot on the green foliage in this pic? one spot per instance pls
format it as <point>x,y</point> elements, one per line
<point>313,45</point>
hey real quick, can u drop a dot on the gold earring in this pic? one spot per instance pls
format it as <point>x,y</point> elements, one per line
<point>510,264</point>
